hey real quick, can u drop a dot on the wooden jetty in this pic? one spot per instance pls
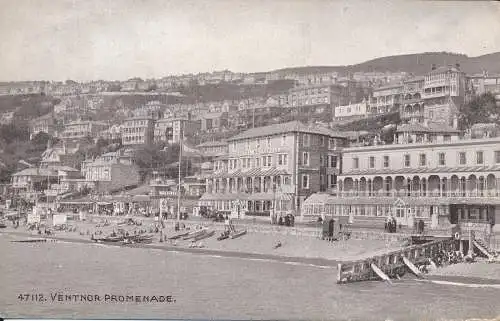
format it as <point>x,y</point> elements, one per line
<point>392,264</point>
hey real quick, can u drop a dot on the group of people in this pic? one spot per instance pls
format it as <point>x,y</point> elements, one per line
<point>390,224</point>
<point>287,220</point>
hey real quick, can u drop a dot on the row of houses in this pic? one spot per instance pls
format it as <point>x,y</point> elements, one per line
<point>433,173</point>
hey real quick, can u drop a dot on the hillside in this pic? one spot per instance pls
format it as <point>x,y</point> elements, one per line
<point>417,64</point>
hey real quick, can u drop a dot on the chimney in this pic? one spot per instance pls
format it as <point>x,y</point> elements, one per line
<point>433,67</point>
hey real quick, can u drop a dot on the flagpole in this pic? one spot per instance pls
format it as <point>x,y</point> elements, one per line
<point>179,178</point>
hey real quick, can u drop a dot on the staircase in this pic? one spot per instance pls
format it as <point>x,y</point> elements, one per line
<point>481,245</point>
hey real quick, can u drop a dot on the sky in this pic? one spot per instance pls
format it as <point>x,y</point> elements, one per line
<point>120,39</point>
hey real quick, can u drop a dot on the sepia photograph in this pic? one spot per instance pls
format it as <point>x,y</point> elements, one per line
<point>249,160</point>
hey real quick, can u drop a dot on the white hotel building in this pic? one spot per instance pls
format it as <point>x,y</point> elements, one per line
<point>443,180</point>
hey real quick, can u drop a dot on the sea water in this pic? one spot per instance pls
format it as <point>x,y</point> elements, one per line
<point>210,286</point>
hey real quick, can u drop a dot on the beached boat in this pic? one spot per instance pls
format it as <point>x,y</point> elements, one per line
<point>30,241</point>
<point>113,239</point>
<point>238,234</point>
<point>178,236</point>
<point>194,234</point>
<point>223,236</point>
<point>204,236</point>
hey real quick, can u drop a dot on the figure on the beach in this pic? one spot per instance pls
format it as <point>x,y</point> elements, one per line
<point>278,244</point>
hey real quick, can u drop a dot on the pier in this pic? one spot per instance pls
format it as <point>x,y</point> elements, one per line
<point>391,264</point>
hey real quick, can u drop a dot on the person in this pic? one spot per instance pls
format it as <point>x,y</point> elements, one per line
<point>226,223</point>
<point>421,225</point>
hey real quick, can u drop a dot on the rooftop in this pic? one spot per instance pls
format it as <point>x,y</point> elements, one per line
<point>443,69</point>
<point>430,128</point>
<point>290,127</point>
<point>212,144</point>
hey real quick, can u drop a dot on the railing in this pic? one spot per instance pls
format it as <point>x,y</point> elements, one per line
<point>390,263</point>
<point>392,193</point>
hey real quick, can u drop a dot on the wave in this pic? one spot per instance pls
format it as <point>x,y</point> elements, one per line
<point>468,285</point>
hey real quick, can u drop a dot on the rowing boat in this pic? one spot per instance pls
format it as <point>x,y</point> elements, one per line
<point>178,236</point>
<point>195,234</point>
<point>238,234</point>
<point>204,236</point>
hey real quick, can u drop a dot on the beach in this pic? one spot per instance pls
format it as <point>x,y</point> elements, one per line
<point>256,243</point>
<point>295,247</point>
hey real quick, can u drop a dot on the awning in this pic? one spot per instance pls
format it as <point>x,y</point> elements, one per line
<point>283,197</point>
<point>253,172</point>
<point>224,197</point>
<point>141,198</point>
<point>262,197</point>
<point>274,172</point>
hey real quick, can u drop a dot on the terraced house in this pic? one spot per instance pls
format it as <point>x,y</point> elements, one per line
<point>268,171</point>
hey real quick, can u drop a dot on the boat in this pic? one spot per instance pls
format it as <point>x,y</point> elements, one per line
<point>194,234</point>
<point>113,238</point>
<point>30,241</point>
<point>178,236</point>
<point>223,236</point>
<point>238,234</point>
<point>145,238</point>
<point>204,236</point>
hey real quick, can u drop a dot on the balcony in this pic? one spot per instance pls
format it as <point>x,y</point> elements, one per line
<point>412,101</point>
<point>435,94</point>
<point>484,194</point>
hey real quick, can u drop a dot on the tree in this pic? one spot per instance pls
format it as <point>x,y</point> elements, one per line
<point>41,139</point>
<point>481,109</point>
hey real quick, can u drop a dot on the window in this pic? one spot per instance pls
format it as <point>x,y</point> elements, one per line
<point>407,160</point>
<point>268,141</point>
<point>479,158</point>
<point>322,141</point>
<point>283,159</point>
<point>462,158</point>
<point>266,161</point>
<point>306,140</point>
<point>333,161</point>
<point>386,161</point>
<point>305,158</point>
<point>442,159</point>
<point>422,160</point>
<point>355,162</point>
<point>372,162</point>
<point>305,181</point>
<point>257,162</point>
<point>333,180</point>
<point>497,156</point>
<point>447,138</point>
<point>283,140</point>
<point>332,143</point>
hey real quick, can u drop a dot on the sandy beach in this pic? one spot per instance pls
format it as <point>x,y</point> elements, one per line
<point>253,242</point>
<point>261,245</point>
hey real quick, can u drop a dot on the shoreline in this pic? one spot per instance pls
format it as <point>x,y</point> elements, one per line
<point>478,273</point>
<point>319,262</point>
